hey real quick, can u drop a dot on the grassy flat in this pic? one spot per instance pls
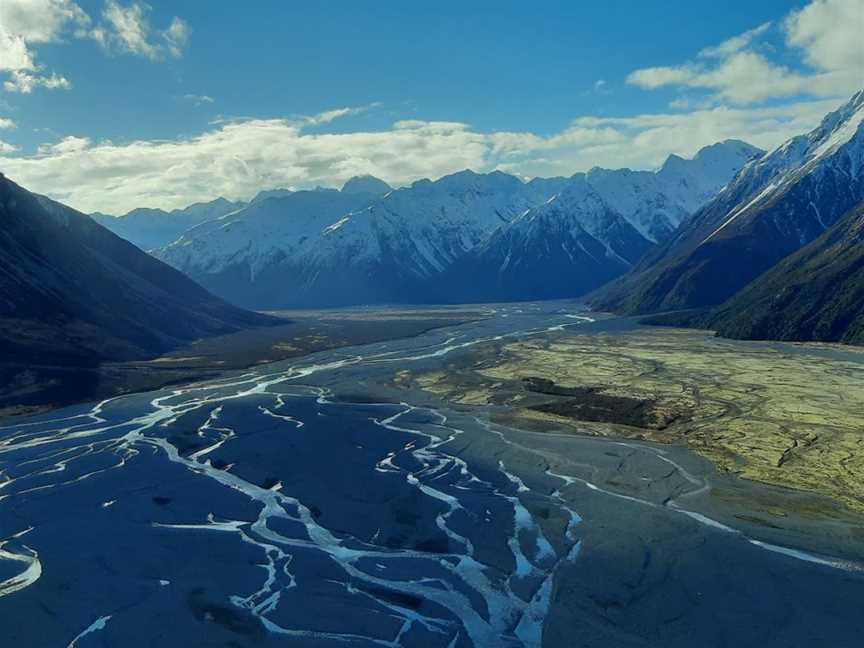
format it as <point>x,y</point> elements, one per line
<point>782,414</point>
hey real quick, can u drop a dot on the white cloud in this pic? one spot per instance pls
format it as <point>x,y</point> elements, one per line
<point>14,53</point>
<point>657,77</point>
<point>331,115</point>
<point>40,21</point>
<point>126,28</point>
<point>735,44</point>
<point>24,23</point>
<point>176,36</point>
<point>5,122</point>
<point>6,147</point>
<point>825,35</point>
<point>830,33</point>
<point>744,77</point>
<point>70,144</point>
<point>199,100</point>
<point>24,82</point>
<point>240,157</point>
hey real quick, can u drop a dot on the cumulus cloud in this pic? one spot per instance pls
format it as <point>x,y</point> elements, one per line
<point>5,122</point>
<point>25,24</point>
<point>825,35</point>
<point>127,29</point>
<point>69,144</point>
<point>24,82</point>
<point>40,21</point>
<point>829,32</point>
<point>240,157</point>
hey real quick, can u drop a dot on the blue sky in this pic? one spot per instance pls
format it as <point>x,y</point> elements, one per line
<point>112,104</point>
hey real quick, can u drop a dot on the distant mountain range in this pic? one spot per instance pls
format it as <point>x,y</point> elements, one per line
<point>447,240</point>
<point>595,228</point>
<point>753,244</point>
<point>73,292</point>
<point>773,207</point>
<point>153,228</point>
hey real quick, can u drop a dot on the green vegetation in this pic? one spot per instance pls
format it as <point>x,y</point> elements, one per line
<point>786,415</point>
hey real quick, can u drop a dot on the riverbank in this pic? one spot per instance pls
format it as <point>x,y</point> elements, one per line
<point>30,389</point>
<point>778,425</point>
<point>340,500</point>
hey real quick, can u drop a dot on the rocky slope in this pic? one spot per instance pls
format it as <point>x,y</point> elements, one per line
<point>773,207</point>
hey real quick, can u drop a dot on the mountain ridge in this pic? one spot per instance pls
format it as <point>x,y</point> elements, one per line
<point>400,246</point>
<point>775,205</point>
<point>92,294</point>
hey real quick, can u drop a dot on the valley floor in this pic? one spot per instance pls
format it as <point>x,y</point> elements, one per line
<point>539,476</point>
<point>29,389</point>
<point>784,415</point>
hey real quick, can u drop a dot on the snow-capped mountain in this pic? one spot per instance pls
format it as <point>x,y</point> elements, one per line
<point>251,256</point>
<point>153,228</point>
<point>775,205</point>
<point>323,248</point>
<point>316,248</point>
<point>572,243</point>
<point>655,203</point>
<point>593,230</point>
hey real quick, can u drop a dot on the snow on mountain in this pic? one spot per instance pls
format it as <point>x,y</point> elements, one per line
<point>655,203</point>
<point>316,248</point>
<point>778,203</point>
<point>572,243</point>
<point>595,228</point>
<point>153,228</point>
<point>838,141</point>
<point>370,243</point>
<point>261,234</point>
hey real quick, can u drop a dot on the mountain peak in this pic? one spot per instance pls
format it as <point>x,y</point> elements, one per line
<point>264,194</point>
<point>730,151</point>
<point>468,179</point>
<point>366,184</point>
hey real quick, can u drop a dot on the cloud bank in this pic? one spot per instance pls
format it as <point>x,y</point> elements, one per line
<point>236,159</point>
<point>732,89</point>
<point>826,35</point>
<point>26,24</point>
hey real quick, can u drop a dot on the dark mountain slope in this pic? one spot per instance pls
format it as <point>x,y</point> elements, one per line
<point>815,294</point>
<point>72,292</point>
